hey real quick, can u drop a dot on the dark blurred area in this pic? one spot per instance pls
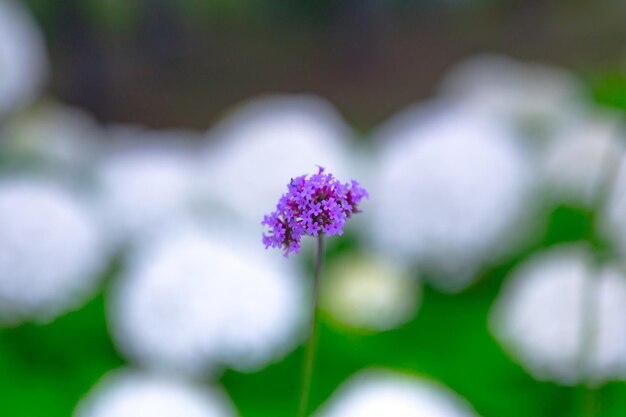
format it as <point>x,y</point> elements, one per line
<point>172,63</point>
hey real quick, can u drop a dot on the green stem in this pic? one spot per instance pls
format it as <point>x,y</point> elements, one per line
<point>589,406</point>
<point>309,359</point>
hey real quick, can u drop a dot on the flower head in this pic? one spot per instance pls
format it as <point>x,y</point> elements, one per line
<point>52,250</point>
<point>233,307</point>
<point>313,205</point>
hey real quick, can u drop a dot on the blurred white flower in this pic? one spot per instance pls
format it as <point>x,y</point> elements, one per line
<point>369,292</point>
<point>561,315</point>
<point>257,149</point>
<point>375,393</point>
<point>127,393</point>
<point>578,161</point>
<point>147,181</point>
<point>538,316</point>
<point>51,251</point>
<point>23,60</point>
<point>608,360</point>
<point>534,99</point>
<point>612,221</point>
<point>192,301</point>
<point>54,133</point>
<point>450,189</point>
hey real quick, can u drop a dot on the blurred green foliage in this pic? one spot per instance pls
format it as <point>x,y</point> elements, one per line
<point>610,89</point>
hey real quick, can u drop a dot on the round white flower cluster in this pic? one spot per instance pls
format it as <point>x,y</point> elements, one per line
<point>23,61</point>
<point>257,149</point>
<point>376,392</point>
<point>450,189</point>
<point>192,301</point>
<point>561,315</point>
<point>369,292</point>
<point>129,393</point>
<point>51,250</point>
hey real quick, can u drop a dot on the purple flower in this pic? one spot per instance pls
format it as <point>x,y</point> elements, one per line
<point>313,229</point>
<point>313,205</point>
<point>316,209</point>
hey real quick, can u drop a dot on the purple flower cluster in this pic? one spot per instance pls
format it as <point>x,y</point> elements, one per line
<point>314,205</point>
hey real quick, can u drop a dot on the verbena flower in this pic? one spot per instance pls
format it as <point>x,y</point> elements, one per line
<point>313,205</point>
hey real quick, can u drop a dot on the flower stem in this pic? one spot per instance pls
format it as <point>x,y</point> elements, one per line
<point>309,359</point>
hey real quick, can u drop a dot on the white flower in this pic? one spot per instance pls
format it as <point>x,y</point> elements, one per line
<point>369,292</point>
<point>581,159</point>
<point>255,151</point>
<point>54,133</point>
<point>612,221</point>
<point>147,182</point>
<point>375,393</point>
<point>450,188</point>
<point>608,359</point>
<point>23,61</point>
<point>128,393</point>
<point>193,300</point>
<point>536,100</point>
<point>561,315</point>
<point>51,251</point>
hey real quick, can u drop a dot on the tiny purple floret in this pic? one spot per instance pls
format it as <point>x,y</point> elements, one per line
<point>313,205</point>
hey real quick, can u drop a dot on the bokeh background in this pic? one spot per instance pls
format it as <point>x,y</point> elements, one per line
<point>142,141</point>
